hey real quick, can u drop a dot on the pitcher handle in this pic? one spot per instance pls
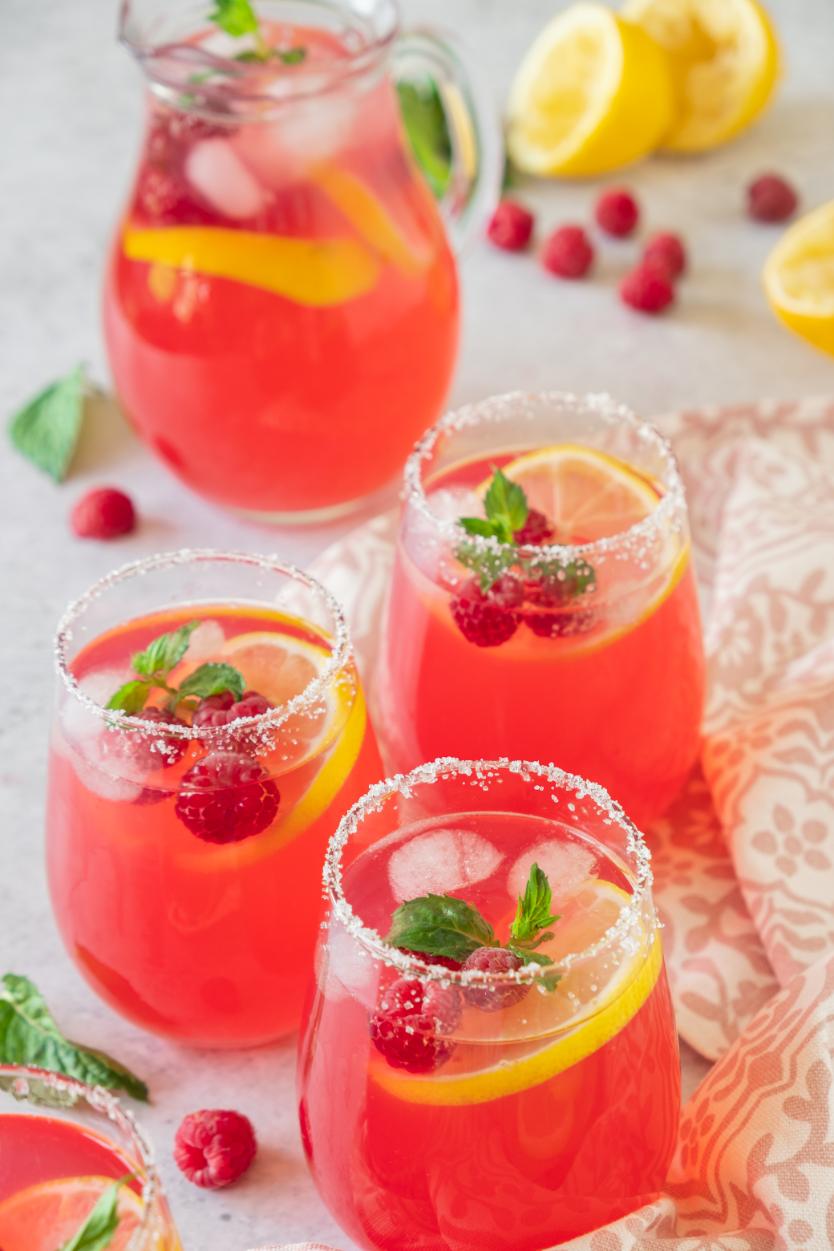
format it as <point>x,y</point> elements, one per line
<point>477,163</point>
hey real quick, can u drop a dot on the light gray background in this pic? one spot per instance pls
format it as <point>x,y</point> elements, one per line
<point>70,103</point>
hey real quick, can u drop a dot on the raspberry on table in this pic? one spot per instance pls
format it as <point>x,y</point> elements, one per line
<point>411,1021</point>
<point>213,1148</point>
<point>617,212</point>
<point>568,252</point>
<point>488,618</point>
<point>647,289</point>
<point>511,226</point>
<point>668,252</point>
<point>771,198</point>
<point>103,513</point>
<point>494,960</point>
<point>226,797</point>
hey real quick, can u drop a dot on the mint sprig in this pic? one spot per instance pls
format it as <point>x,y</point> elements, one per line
<point>98,1230</point>
<point>29,1035</point>
<point>427,130</point>
<point>443,925</point>
<point>153,666</point>
<point>238,18</point>
<point>47,428</point>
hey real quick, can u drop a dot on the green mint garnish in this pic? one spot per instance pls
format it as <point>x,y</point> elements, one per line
<point>46,430</point>
<point>425,125</point>
<point>238,18</point>
<point>154,664</point>
<point>442,925</point>
<point>98,1229</point>
<point>30,1036</point>
<point>505,505</point>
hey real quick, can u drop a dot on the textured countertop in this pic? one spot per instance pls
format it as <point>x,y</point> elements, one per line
<point>71,104</point>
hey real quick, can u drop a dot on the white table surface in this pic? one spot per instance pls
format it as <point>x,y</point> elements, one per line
<point>71,105</point>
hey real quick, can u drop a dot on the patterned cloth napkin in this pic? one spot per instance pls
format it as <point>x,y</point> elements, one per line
<point>744,863</point>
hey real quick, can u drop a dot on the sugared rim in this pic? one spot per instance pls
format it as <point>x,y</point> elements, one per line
<point>306,80</point>
<point>404,784</point>
<point>497,408</point>
<point>315,691</point>
<point>16,1079</point>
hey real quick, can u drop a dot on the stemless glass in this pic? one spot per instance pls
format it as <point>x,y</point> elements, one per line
<point>61,1144</point>
<point>184,856</point>
<point>586,649</point>
<point>484,1111</point>
<point>281,305</point>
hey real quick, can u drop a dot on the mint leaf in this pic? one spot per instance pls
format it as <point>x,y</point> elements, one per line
<point>487,564</point>
<point>213,679</point>
<point>160,656</point>
<point>477,525</point>
<point>506,506</point>
<point>440,925</point>
<point>424,119</point>
<point>30,1036</point>
<point>533,912</point>
<point>46,429</point>
<point>235,17</point>
<point>563,581</point>
<point>289,56</point>
<point>130,698</point>
<point>97,1231</point>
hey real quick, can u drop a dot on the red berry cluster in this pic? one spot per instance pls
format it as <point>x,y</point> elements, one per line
<point>162,193</point>
<point>491,617</point>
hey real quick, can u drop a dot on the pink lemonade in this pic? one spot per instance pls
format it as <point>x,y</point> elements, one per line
<point>185,872</point>
<point>281,305</point>
<point>530,1123</point>
<point>608,682</point>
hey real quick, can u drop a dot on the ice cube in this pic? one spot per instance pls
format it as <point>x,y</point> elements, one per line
<point>79,724</point>
<point>441,861</point>
<point>567,865</point>
<point>216,171</point>
<point>449,503</point>
<point>207,640</point>
<point>81,734</point>
<point>120,789</point>
<point>288,150</point>
<point>344,968</point>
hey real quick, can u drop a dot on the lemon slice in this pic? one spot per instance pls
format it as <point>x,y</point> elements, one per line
<point>370,219</point>
<point>49,1214</point>
<point>799,278</point>
<point>725,64</point>
<point>594,1000</point>
<point>315,272</point>
<point>592,94</point>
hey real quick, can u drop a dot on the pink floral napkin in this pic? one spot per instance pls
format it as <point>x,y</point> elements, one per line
<point>744,863</point>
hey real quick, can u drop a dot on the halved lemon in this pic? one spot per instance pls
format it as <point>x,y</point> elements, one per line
<point>46,1216</point>
<point>594,1000</point>
<point>724,60</point>
<point>315,272</point>
<point>799,278</point>
<point>592,94</point>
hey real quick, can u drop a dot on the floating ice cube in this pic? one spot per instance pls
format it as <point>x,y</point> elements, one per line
<point>441,861</point>
<point>344,968</point>
<point>288,150</point>
<point>207,640</point>
<point>428,549</point>
<point>120,789</point>
<point>567,865</point>
<point>80,737</point>
<point>449,503</point>
<point>79,724</point>
<point>215,170</point>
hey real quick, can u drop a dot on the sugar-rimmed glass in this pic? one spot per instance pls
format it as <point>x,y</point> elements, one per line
<point>177,851</point>
<point>602,672</point>
<point>52,1127</point>
<point>530,1120</point>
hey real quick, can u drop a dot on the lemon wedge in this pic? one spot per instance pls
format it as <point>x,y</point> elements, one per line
<point>724,58</point>
<point>592,94</point>
<point>49,1214</point>
<point>593,1001</point>
<point>799,278</point>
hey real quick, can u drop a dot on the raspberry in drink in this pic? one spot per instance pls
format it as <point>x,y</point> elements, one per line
<point>187,821</point>
<point>491,1061</point>
<point>543,601</point>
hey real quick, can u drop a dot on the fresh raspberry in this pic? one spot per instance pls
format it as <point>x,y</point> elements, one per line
<point>226,797</point>
<point>495,960</point>
<point>409,1025</point>
<point>488,618</point>
<point>214,1148</point>
<point>172,134</point>
<point>770,198</point>
<point>145,753</point>
<point>103,513</point>
<point>647,289</point>
<point>511,226</point>
<point>568,252</point>
<point>560,625</point>
<point>221,709</point>
<point>536,530</point>
<point>617,212</point>
<point>667,251</point>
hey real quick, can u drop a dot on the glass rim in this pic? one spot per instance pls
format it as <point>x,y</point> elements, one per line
<point>307,80</point>
<point>403,784</point>
<point>340,656</point>
<point>111,1108</point>
<point>495,408</point>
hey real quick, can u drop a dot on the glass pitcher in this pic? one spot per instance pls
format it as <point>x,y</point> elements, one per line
<point>281,303</point>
